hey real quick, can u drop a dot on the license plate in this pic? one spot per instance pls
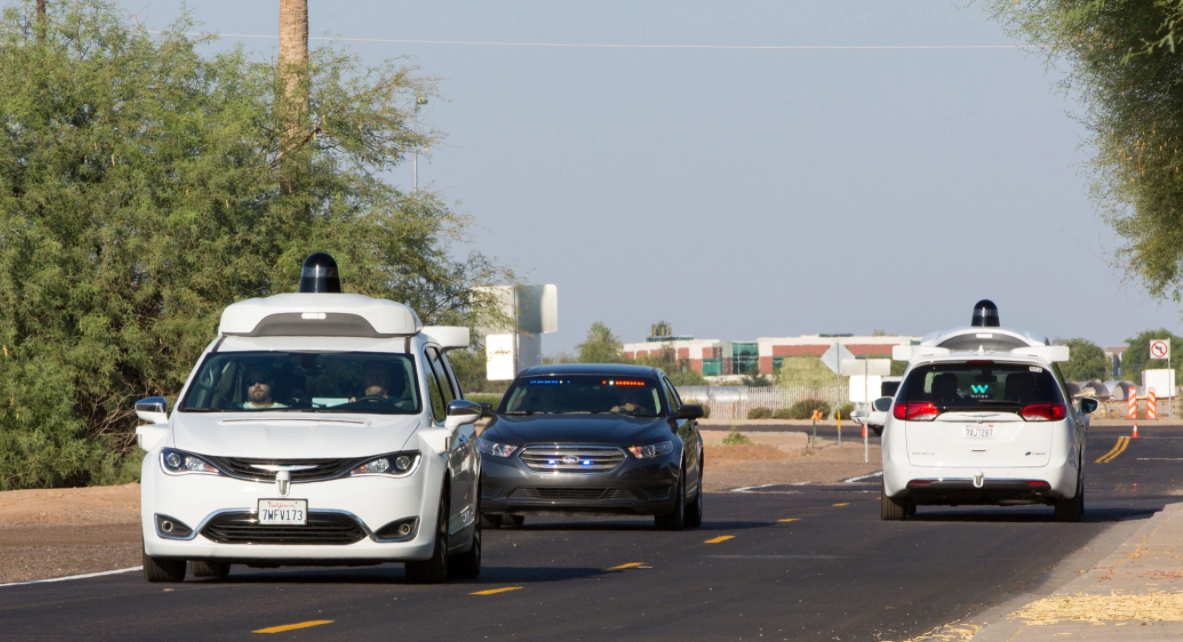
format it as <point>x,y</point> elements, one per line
<point>979,432</point>
<point>286,512</point>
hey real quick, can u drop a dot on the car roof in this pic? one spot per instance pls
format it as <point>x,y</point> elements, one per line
<point>616,369</point>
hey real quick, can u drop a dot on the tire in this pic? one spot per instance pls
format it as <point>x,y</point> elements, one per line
<point>434,570</point>
<point>694,513</point>
<point>674,520</point>
<point>1071,510</point>
<point>891,510</point>
<point>492,522</point>
<point>209,569</point>
<point>157,569</point>
<point>512,521</point>
<point>878,431</point>
<point>467,565</point>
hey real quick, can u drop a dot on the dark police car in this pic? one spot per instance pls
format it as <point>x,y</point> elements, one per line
<point>592,440</point>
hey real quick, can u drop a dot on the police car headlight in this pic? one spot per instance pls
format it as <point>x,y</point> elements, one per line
<point>394,465</point>
<point>179,462</point>
<point>495,449</point>
<point>652,450</point>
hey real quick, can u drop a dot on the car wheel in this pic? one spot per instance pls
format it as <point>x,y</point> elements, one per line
<point>435,569</point>
<point>467,565</point>
<point>490,521</point>
<point>878,431</point>
<point>694,513</point>
<point>158,569</point>
<point>209,569</point>
<point>512,521</point>
<point>891,510</point>
<point>1071,510</point>
<point>676,518</point>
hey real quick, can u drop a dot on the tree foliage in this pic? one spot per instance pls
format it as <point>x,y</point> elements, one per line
<point>1086,361</point>
<point>1125,71</point>
<point>1137,355</point>
<point>601,346</point>
<point>139,196</point>
<point>679,370</point>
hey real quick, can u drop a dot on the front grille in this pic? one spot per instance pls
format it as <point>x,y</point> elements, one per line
<point>322,528</point>
<point>571,494</point>
<point>322,469</point>
<point>572,459</point>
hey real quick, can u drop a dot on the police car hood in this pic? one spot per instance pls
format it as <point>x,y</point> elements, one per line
<point>291,435</point>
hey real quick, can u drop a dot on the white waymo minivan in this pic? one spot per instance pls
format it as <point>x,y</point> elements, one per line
<point>318,428</point>
<point>983,417</point>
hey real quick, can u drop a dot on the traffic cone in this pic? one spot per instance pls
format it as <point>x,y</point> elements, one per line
<point>1135,435</point>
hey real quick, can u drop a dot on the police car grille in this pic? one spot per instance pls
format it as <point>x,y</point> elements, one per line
<point>322,528</point>
<point>571,494</point>
<point>572,459</point>
<point>322,469</point>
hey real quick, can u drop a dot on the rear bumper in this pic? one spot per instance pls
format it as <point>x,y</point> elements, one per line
<point>955,492</point>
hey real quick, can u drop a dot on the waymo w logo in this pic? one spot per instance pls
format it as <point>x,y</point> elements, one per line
<point>979,389</point>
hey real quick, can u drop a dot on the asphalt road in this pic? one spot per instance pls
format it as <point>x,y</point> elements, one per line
<point>835,572</point>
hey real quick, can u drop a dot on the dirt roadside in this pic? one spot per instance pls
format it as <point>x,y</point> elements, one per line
<point>61,532</point>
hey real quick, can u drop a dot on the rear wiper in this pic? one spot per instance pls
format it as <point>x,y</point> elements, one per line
<point>998,402</point>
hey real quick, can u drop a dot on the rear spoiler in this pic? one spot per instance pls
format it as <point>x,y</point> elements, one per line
<point>1053,354</point>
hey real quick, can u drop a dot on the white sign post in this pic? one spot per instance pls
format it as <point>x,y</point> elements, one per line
<point>833,359</point>
<point>1161,349</point>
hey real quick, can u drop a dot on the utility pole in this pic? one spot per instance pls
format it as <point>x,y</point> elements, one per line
<point>293,70</point>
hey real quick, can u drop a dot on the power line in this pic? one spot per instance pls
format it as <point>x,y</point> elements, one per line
<point>571,45</point>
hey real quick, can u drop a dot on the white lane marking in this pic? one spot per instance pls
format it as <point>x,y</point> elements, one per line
<point>1160,459</point>
<point>855,479</point>
<point>76,577</point>
<point>747,488</point>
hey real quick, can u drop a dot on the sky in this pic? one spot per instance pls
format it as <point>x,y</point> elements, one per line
<point>744,193</point>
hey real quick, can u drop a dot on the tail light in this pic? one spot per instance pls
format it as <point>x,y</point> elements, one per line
<point>1044,412</point>
<point>922,411</point>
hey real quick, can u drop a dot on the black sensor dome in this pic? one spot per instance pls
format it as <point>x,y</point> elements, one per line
<point>985,314</point>
<point>320,274</point>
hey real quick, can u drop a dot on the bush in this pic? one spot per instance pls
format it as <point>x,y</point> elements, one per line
<point>484,397</point>
<point>760,413</point>
<point>804,409</point>
<point>783,413</point>
<point>736,438</point>
<point>706,411</point>
<point>845,409</point>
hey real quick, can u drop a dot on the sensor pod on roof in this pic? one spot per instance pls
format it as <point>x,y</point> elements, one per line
<point>320,275</point>
<point>985,315</point>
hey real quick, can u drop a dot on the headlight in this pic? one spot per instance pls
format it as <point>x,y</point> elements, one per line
<point>495,449</point>
<point>179,462</point>
<point>395,465</point>
<point>650,451</point>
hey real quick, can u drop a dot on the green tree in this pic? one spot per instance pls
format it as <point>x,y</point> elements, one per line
<point>139,195</point>
<point>1086,361</point>
<point>1137,355</point>
<point>601,346</point>
<point>1124,69</point>
<point>679,370</point>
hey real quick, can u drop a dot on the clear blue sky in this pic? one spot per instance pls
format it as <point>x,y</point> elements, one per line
<point>747,193</point>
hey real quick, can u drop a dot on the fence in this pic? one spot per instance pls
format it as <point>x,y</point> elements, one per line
<point>734,402</point>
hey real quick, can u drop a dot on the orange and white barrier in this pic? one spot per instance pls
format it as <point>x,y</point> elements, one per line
<point>1131,408</point>
<point>1151,412</point>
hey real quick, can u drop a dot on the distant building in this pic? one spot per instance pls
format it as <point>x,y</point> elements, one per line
<point>1114,354</point>
<point>711,357</point>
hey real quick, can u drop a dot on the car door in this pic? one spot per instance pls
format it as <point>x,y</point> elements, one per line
<point>472,457</point>
<point>461,498</point>
<point>688,432</point>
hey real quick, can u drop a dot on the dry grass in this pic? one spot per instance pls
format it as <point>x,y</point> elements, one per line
<point>1099,609</point>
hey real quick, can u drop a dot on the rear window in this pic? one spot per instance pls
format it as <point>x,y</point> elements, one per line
<point>973,385</point>
<point>583,394</point>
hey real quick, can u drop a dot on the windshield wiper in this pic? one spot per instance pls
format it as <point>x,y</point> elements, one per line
<point>525,412</point>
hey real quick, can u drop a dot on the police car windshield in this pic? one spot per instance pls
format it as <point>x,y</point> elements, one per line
<point>370,383</point>
<point>583,394</point>
<point>973,385</point>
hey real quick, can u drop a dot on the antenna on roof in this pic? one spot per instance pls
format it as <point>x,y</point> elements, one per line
<point>320,274</point>
<point>985,314</point>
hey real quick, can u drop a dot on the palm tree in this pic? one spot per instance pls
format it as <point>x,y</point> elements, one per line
<point>293,70</point>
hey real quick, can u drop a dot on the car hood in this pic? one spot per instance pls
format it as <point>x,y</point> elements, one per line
<point>613,430</point>
<point>291,436</point>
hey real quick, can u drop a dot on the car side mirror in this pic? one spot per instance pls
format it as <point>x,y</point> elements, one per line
<point>1088,405</point>
<point>462,412</point>
<point>153,410</point>
<point>689,411</point>
<point>486,409</point>
<point>883,404</point>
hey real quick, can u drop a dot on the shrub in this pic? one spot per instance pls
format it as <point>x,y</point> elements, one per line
<point>484,397</point>
<point>706,411</point>
<point>760,413</point>
<point>783,413</point>
<point>804,409</point>
<point>736,438</point>
<point>845,409</point>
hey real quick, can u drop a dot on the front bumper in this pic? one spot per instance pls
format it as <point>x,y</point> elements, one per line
<point>635,487</point>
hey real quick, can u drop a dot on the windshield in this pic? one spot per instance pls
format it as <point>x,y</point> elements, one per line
<point>593,394</point>
<point>973,385</point>
<point>304,381</point>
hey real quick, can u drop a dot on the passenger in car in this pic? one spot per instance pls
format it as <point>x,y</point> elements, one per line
<point>259,382</point>
<point>944,390</point>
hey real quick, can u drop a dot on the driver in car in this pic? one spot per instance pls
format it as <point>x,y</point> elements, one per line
<point>379,381</point>
<point>258,382</point>
<point>632,402</point>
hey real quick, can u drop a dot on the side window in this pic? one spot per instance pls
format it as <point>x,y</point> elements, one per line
<point>439,408</point>
<point>675,402</point>
<point>452,375</point>
<point>441,375</point>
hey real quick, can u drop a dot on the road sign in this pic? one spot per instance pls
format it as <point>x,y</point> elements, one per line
<point>834,356</point>
<point>851,367</point>
<point>1160,349</point>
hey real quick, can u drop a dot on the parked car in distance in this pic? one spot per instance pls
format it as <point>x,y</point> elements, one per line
<point>587,439</point>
